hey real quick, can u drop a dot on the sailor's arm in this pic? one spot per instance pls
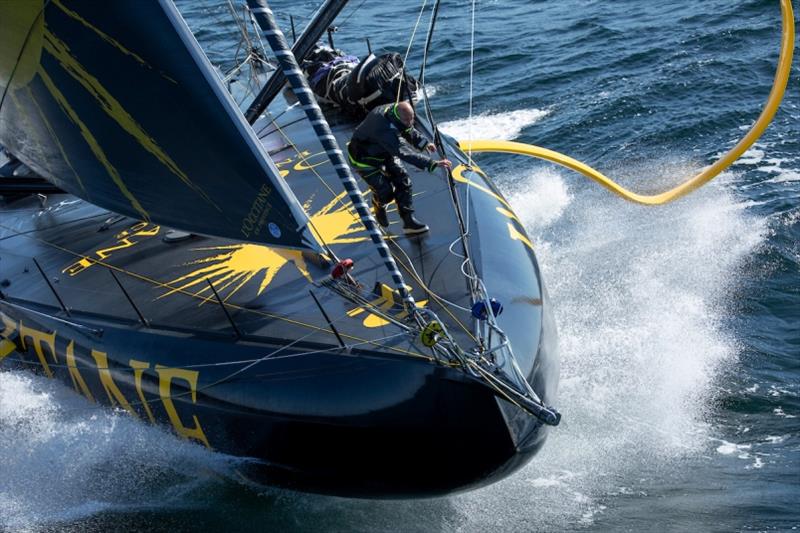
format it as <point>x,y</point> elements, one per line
<point>421,161</point>
<point>415,138</point>
<point>395,146</point>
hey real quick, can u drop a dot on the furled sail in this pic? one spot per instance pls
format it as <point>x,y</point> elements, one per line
<point>116,103</point>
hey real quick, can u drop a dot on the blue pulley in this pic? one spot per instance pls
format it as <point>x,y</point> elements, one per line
<point>479,309</point>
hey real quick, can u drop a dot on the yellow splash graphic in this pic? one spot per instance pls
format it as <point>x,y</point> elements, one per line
<point>114,109</point>
<point>387,299</point>
<point>113,42</point>
<point>124,239</point>
<point>93,143</point>
<point>232,267</point>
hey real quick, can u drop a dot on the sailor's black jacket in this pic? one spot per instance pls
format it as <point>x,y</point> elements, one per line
<point>381,135</point>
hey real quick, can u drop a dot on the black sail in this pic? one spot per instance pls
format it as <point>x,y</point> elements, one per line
<point>116,103</point>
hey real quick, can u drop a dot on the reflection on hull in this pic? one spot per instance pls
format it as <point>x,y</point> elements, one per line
<point>362,424</point>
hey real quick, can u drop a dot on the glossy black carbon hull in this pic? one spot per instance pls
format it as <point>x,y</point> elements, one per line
<point>248,349</point>
<point>355,424</point>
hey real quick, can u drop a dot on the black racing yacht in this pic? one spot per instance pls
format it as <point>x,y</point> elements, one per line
<point>220,273</point>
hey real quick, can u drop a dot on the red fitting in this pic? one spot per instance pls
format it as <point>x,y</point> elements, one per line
<point>342,268</point>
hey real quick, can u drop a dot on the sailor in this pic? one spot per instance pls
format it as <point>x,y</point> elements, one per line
<point>385,137</point>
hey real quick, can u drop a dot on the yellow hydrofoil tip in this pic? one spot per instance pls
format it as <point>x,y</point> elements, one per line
<point>767,114</point>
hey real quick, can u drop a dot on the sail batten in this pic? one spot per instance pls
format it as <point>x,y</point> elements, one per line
<point>116,103</point>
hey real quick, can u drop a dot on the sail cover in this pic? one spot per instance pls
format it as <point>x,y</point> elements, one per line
<point>116,103</point>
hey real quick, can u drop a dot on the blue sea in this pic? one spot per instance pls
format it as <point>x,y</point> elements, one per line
<point>679,325</point>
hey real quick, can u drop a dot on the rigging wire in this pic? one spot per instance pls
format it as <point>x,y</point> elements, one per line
<point>471,76</point>
<point>268,357</point>
<point>408,49</point>
<point>410,270</point>
<point>352,13</point>
<point>469,122</point>
<point>204,299</point>
<point>464,226</point>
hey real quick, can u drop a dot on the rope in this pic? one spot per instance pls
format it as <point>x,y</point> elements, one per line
<point>353,12</point>
<point>439,299</point>
<point>471,76</point>
<point>767,114</point>
<point>408,49</point>
<point>469,152</point>
<point>205,299</point>
<point>305,95</point>
<point>463,228</point>
<point>428,40</point>
<point>253,362</point>
<point>311,167</point>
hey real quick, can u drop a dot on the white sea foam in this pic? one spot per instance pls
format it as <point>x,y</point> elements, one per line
<point>638,294</point>
<point>542,200</point>
<point>756,156</point>
<point>730,448</point>
<point>430,91</point>
<point>752,156</point>
<point>497,126</point>
<point>778,411</point>
<point>62,458</point>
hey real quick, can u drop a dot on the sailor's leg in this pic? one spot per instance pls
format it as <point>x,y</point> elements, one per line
<point>401,182</point>
<point>382,193</point>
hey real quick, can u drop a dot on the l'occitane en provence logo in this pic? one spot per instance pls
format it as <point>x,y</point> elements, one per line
<point>232,267</point>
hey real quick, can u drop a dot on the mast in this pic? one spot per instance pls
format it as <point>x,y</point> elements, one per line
<point>302,46</point>
<point>299,84</point>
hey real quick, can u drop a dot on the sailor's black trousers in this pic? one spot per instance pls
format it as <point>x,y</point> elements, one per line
<point>390,182</point>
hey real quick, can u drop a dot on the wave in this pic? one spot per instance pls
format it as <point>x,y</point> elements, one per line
<point>639,295</point>
<point>500,126</point>
<point>63,458</point>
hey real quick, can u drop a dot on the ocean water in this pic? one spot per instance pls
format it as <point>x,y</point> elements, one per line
<point>679,325</point>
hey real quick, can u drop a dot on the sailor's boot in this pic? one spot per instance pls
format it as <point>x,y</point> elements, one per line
<point>380,212</point>
<point>411,225</point>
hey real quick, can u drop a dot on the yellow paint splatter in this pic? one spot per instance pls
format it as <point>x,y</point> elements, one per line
<point>94,145</point>
<point>112,107</point>
<point>519,236</point>
<point>55,140</point>
<point>458,175</point>
<point>110,40</point>
<point>507,213</point>
<point>232,267</point>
